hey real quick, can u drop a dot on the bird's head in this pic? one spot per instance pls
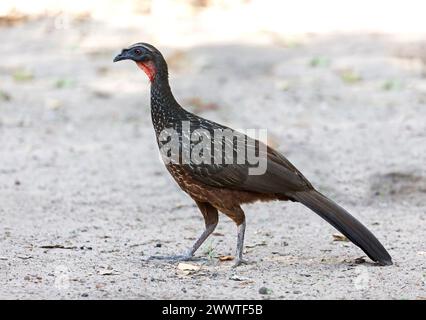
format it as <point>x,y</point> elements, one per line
<point>147,57</point>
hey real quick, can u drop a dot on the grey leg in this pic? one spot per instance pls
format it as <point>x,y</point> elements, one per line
<point>241,229</point>
<point>211,219</point>
<point>188,255</point>
<point>209,229</point>
<point>238,216</point>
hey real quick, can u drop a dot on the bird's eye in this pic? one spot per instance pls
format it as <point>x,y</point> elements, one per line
<point>138,51</point>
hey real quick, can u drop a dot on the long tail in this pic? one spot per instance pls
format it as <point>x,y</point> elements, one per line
<point>345,223</point>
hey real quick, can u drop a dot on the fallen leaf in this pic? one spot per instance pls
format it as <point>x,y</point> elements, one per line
<point>263,243</point>
<point>226,258</point>
<point>57,246</point>
<point>104,272</point>
<point>236,277</point>
<point>218,234</point>
<point>23,257</point>
<point>188,267</point>
<point>339,237</point>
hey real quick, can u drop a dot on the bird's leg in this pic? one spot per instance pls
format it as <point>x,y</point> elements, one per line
<point>211,219</point>
<point>238,216</point>
<point>209,229</point>
<point>241,229</point>
<point>190,253</point>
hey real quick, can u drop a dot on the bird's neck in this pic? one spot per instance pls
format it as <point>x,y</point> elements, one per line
<point>164,107</point>
<point>162,97</point>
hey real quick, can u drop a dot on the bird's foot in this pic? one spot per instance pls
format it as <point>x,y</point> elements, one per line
<point>239,262</point>
<point>173,258</point>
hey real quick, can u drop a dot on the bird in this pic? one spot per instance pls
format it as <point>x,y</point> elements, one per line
<point>223,186</point>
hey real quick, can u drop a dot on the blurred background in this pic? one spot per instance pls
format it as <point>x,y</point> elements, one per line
<point>340,86</point>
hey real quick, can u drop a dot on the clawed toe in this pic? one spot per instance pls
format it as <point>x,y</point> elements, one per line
<point>240,262</point>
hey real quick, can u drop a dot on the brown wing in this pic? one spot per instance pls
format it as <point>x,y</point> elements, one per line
<point>280,177</point>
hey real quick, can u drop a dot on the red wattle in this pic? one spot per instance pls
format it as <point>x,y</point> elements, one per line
<point>149,68</point>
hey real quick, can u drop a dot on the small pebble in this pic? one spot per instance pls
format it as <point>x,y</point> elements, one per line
<point>85,295</point>
<point>158,245</point>
<point>264,290</point>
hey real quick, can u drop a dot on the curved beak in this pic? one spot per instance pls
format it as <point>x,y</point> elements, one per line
<point>122,56</point>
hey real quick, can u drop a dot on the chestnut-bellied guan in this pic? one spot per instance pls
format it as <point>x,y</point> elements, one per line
<point>225,185</point>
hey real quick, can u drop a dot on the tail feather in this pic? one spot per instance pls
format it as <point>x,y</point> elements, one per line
<point>345,223</point>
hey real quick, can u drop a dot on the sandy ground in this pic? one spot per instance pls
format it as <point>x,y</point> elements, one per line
<point>85,200</point>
